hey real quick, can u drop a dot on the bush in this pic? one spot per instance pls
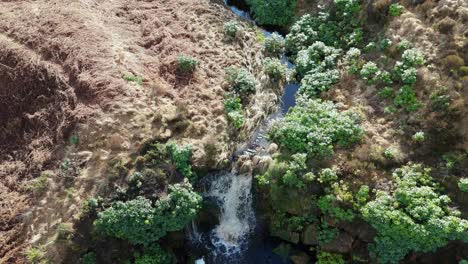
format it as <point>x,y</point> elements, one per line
<point>186,64</point>
<point>274,69</point>
<point>406,98</point>
<point>318,55</point>
<point>327,175</point>
<point>390,153</point>
<point>352,60</point>
<point>414,217</point>
<point>463,185</point>
<point>369,72</point>
<point>440,100</point>
<point>362,195</point>
<point>328,204</point>
<point>35,255</point>
<point>386,92</point>
<point>230,28</point>
<point>419,136</point>
<point>273,12</point>
<point>317,81</point>
<point>274,45</point>
<point>139,222</point>
<point>412,58</point>
<point>240,80</point>
<point>329,258</point>
<point>181,156</point>
<point>395,10</point>
<point>314,127</point>
<point>404,45</point>
<point>409,76</point>
<point>89,258</point>
<point>154,255</point>
<point>39,185</point>
<point>385,44</point>
<point>233,107</point>
<point>132,78</point>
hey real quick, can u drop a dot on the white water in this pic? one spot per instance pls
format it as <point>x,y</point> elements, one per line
<point>233,194</point>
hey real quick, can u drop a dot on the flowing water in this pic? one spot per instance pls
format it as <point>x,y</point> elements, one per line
<point>238,238</point>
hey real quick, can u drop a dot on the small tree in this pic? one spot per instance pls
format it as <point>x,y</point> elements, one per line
<point>186,64</point>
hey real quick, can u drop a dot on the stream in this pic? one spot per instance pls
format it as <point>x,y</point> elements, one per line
<point>239,237</point>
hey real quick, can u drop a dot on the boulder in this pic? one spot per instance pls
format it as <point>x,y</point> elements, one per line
<point>343,243</point>
<point>309,235</point>
<point>300,258</point>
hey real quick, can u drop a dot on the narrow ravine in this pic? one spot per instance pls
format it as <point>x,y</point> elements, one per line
<point>239,237</point>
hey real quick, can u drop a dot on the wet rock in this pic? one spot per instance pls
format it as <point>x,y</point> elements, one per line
<point>263,164</point>
<point>292,237</point>
<point>343,243</point>
<point>272,148</point>
<point>359,228</point>
<point>300,258</point>
<point>309,235</point>
<point>246,167</point>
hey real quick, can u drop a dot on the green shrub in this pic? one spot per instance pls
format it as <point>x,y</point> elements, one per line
<point>329,258</point>
<point>362,195</point>
<point>419,136</point>
<point>318,55</point>
<point>395,10</point>
<point>35,255</point>
<point>352,60</point>
<point>385,44</point>
<point>274,44</point>
<point>230,28</point>
<point>413,217</point>
<point>328,204</point>
<point>314,127</point>
<point>293,177</point>
<point>463,185</point>
<point>384,77</point>
<point>369,72</point>
<point>233,107</point>
<point>390,153</point>
<point>240,80</point>
<point>326,233</point>
<point>132,78</point>
<point>181,156</point>
<point>186,64</point>
<point>404,45</point>
<point>273,12</point>
<point>440,100</point>
<point>39,185</point>
<point>406,98</point>
<point>386,92</point>
<point>317,81</point>
<point>412,58</point>
<point>274,69</point>
<point>139,222</point>
<point>327,175</point>
<point>89,258</point>
<point>154,254</point>
<point>409,76</point>
<point>339,27</point>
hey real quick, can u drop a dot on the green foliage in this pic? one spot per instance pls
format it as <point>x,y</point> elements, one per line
<point>324,257</point>
<point>463,185</point>
<point>414,217</point>
<point>385,44</point>
<point>132,78</point>
<point>408,76</point>
<point>412,58</point>
<point>329,205</point>
<point>352,60</point>
<point>35,255</point>
<point>386,92</point>
<point>186,63</point>
<point>139,222</point>
<point>273,12</point>
<point>317,55</point>
<point>89,258</point>
<point>181,156</point>
<point>404,45</point>
<point>419,136</point>
<point>295,170</point>
<point>274,69</point>
<point>233,107</point>
<point>406,98</point>
<point>338,28</point>
<point>440,100</point>
<point>326,233</point>
<point>369,72</point>
<point>453,159</point>
<point>274,45</point>
<point>39,185</point>
<point>327,175</point>
<point>154,254</point>
<point>362,195</point>
<point>240,80</point>
<point>395,10</point>
<point>317,81</point>
<point>230,28</point>
<point>74,140</point>
<point>314,127</point>
<point>390,153</point>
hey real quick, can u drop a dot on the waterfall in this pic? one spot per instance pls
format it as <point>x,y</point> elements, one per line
<point>232,193</point>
